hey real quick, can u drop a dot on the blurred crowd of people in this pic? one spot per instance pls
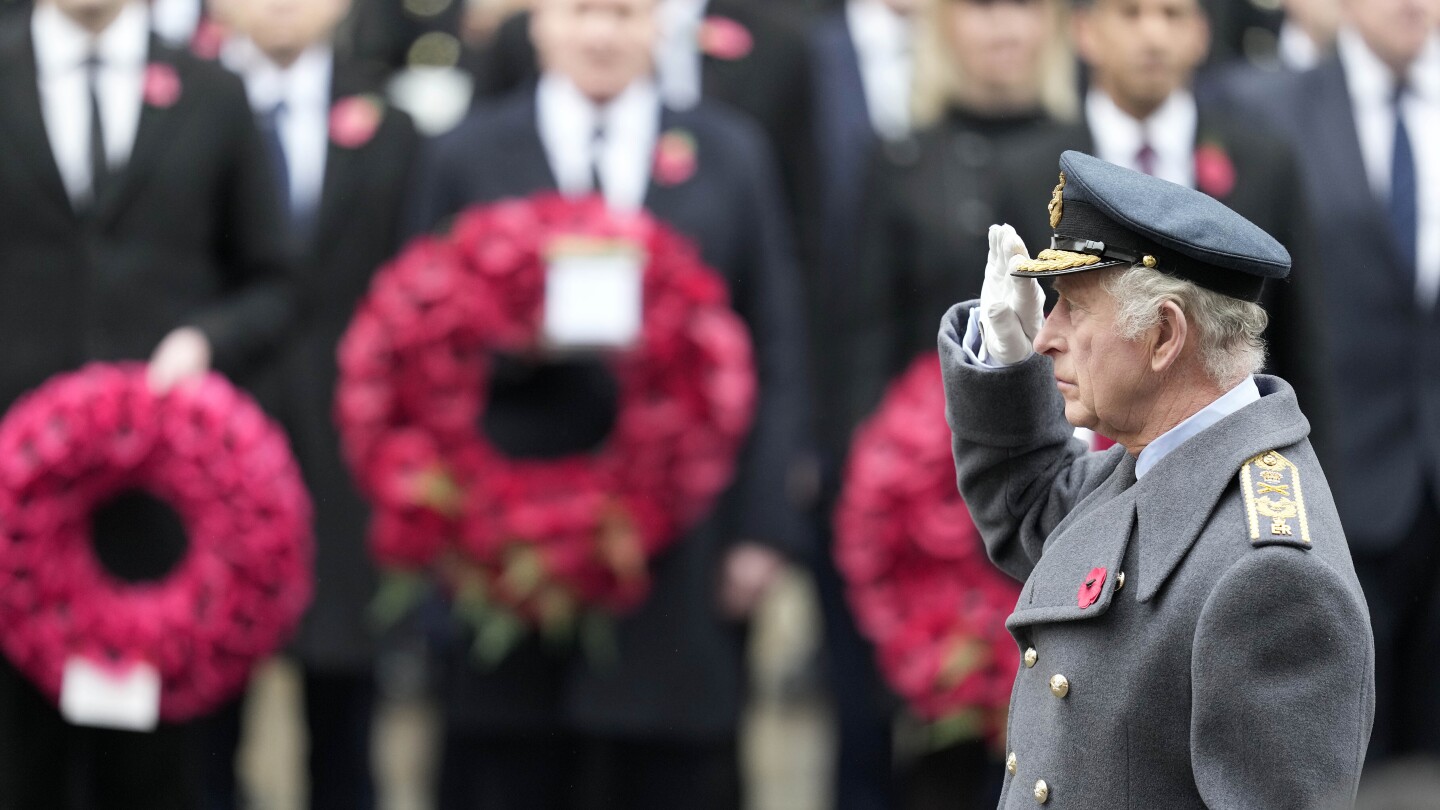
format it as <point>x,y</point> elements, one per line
<point>845,161</point>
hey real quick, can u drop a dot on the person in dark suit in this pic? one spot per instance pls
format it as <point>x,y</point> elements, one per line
<point>1365,120</point>
<point>656,729</point>
<point>756,63</point>
<point>862,62</point>
<point>137,219</point>
<point>342,162</point>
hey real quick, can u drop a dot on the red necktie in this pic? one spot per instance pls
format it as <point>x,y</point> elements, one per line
<point>1145,159</point>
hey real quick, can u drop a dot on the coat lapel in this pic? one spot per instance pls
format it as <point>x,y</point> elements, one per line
<point>343,166</point>
<point>1095,535</point>
<point>20,99</point>
<point>1173,504</point>
<point>154,139</point>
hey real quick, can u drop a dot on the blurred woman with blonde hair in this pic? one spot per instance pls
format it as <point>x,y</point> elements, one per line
<point>989,76</point>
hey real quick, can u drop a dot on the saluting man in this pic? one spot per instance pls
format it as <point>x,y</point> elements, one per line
<point>1192,631</point>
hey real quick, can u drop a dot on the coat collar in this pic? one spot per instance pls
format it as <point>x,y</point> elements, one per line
<point>1173,504</point>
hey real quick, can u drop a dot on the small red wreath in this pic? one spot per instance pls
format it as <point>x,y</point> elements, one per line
<point>209,453</point>
<point>918,580</point>
<point>543,540</point>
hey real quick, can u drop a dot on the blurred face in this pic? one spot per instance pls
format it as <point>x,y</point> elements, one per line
<point>600,45</point>
<point>285,28</point>
<point>1396,30</point>
<point>904,7</point>
<point>1318,18</point>
<point>1141,51</point>
<point>1104,380</point>
<point>999,44</point>
<point>93,15</point>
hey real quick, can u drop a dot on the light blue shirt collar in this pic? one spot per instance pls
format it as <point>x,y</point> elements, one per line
<point>1231,401</point>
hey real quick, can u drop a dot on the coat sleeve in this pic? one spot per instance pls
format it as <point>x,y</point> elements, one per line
<point>260,294</point>
<point>1017,463</point>
<point>1283,685</point>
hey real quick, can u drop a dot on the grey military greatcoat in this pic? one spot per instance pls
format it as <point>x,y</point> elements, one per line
<point>1196,639</point>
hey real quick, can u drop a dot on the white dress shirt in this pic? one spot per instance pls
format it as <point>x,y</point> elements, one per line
<point>1246,393</point>
<point>175,21</point>
<point>1297,51</point>
<point>61,50</point>
<point>882,42</point>
<point>677,52</point>
<point>304,123</point>
<point>1372,91</point>
<point>1170,131</point>
<point>631,123</point>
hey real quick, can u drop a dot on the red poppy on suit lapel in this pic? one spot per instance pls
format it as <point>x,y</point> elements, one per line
<point>674,158</point>
<point>354,120</point>
<point>162,85</point>
<point>1092,586</point>
<point>1214,171</point>
<point>723,38</point>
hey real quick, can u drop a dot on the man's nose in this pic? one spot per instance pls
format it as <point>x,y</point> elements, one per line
<point>1047,339</point>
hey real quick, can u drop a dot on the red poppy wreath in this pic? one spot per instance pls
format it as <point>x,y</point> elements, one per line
<point>918,580</point>
<point>86,438</point>
<point>538,542</point>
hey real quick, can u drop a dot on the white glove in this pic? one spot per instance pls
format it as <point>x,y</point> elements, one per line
<point>1012,309</point>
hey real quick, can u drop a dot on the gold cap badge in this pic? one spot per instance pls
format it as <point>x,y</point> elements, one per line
<point>1057,205</point>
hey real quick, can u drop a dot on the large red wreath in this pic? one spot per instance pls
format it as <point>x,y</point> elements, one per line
<point>544,540</point>
<point>919,582</point>
<point>208,452</point>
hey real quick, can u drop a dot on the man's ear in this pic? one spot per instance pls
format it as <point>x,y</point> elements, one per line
<point>1171,335</point>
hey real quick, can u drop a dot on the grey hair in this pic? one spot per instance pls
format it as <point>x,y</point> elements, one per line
<point>1230,331</point>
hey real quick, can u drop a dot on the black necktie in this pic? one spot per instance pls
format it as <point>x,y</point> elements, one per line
<point>99,164</point>
<point>1404,209</point>
<point>597,152</point>
<point>269,122</point>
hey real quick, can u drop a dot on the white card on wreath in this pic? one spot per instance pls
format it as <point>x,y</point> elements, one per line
<point>122,697</point>
<point>593,295</point>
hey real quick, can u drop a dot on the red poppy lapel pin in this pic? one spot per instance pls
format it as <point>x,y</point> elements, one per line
<point>355,119</point>
<point>724,38</point>
<point>675,157</point>
<point>1092,586</point>
<point>161,85</point>
<point>1214,171</point>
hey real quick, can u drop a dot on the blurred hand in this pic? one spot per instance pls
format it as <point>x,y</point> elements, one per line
<point>1012,309</point>
<point>183,355</point>
<point>750,571</point>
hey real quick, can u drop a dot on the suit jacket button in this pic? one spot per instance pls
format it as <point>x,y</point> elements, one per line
<point>1059,685</point>
<point>1011,763</point>
<point>1031,657</point>
<point>1120,581</point>
<point>1042,791</point>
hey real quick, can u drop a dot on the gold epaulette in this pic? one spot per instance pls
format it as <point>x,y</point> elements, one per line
<point>1274,501</point>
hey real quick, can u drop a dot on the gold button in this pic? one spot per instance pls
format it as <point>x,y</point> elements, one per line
<point>1119,580</point>
<point>1011,763</point>
<point>1059,685</point>
<point>1031,657</point>
<point>1042,791</point>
